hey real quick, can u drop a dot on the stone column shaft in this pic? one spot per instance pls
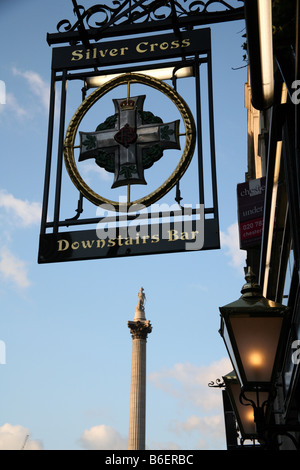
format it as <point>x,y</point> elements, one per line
<point>137,414</point>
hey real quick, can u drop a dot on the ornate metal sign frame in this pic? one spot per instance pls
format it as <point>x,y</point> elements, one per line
<point>141,16</point>
<point>88,56</point>
<point>94,97</point>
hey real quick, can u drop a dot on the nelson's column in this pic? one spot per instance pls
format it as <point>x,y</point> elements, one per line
<point>139,329</point>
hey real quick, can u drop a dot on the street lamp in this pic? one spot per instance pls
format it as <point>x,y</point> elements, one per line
<point>249,412</point>
<point>253,329</point>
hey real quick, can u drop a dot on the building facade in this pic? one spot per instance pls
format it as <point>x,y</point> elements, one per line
<point>273,165</point>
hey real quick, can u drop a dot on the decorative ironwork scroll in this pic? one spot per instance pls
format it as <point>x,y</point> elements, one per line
<point>130,16</point>
<point>217,384</point>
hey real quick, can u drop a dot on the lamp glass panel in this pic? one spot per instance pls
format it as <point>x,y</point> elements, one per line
<point>227,341</point>
<point>245,413</point>
<point>257,341</point>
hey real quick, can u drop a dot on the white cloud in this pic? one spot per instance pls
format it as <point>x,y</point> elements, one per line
<point>16,437</point>
<point>164,445</point>
<point>213,425</point>
<point>103,437</point>
<point>38,86</point>
<point>209,431</point>
<point>27,213</point>
<point>13,105</point>
<point>91,168</point>
<point>189,383</point>
<point>13,269</point>
<point>198,286</point>
<point>230,241</point>
<point>15,213</point>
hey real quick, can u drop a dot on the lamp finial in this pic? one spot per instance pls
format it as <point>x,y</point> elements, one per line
<point>251,288</point>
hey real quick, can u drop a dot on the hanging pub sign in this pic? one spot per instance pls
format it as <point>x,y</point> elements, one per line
<point>251,198</point>
<point>127,145</point>
<point>163,46</point>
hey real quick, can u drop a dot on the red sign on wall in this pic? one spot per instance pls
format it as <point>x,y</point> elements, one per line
<point>251,197</point>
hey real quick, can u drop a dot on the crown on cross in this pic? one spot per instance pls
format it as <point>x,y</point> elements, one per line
<point>127,104</point>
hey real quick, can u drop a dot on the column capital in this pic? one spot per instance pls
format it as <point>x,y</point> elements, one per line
<point>139,329</point>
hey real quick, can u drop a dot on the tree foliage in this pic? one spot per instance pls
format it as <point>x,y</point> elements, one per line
<point>284,24</point>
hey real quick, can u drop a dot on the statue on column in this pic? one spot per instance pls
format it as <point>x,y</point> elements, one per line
<point>142,300</point>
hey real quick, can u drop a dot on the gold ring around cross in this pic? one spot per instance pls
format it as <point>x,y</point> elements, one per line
<point>188,151</point>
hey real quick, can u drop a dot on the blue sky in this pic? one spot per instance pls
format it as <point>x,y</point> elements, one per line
<point>66,376</point>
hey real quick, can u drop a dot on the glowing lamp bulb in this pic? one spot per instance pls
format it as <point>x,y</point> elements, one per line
<point>256,359</point>
<point>250,416</point>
